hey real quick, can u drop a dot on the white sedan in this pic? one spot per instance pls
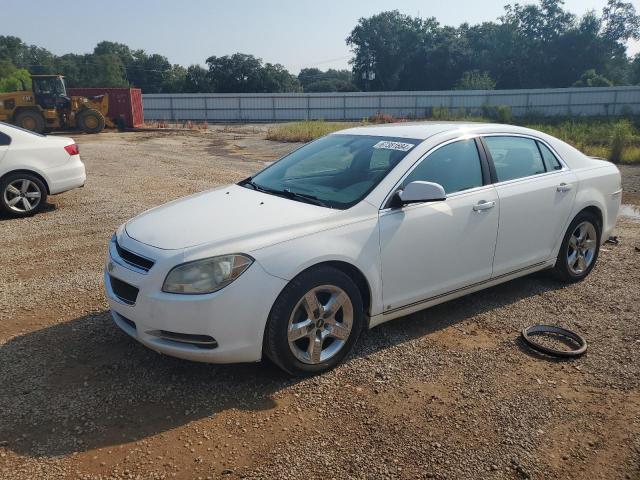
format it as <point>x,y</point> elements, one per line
<point>33,166</point>
<point>354,229</point>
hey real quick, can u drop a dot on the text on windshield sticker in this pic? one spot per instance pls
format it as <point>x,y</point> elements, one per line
<point>402,147</point>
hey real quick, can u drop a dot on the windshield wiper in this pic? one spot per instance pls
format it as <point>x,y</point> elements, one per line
<point>304,197</point>
<point>285,193</point>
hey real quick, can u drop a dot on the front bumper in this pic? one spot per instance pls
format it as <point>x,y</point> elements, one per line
<point>234,316</point>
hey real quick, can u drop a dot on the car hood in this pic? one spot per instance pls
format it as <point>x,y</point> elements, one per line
<point>220,216</point>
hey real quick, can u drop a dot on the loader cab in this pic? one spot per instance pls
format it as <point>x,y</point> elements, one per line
<point>50,91</point>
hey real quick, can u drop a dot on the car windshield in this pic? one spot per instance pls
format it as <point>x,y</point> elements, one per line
<point>336,171</point>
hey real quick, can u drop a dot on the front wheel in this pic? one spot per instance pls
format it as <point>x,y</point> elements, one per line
<point>579,250</point>
<point>315,322</point>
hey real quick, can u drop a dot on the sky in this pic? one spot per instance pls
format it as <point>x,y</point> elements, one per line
<point>295,33</point>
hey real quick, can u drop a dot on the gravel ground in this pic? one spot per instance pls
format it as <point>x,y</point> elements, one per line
<point>446,393</point>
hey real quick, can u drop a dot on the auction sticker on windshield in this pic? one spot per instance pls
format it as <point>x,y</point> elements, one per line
<point>402,147</point>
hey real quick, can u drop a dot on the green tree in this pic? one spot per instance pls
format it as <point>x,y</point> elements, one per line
<point>31,57</point>
<point>635,70</point>
<point>536,45</point>
<point>475,80</point>
<point>384,45</point>
<point>242,73</point>
<point>620,21</point>
<point>315,80</point>
<point>591,78</point>
<point>13,79</point>
<point>197,80</point>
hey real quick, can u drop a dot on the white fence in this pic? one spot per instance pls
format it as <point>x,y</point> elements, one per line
<point>273,107</point>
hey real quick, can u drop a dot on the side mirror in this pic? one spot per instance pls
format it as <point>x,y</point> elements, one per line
<point>417,192</point>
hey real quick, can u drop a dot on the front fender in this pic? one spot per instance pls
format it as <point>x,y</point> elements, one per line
<point>357,244</point>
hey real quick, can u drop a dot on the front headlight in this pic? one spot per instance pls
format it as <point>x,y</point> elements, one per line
<point>207,275</point>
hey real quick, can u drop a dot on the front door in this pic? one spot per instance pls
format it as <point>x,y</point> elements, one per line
<point>434,248</point>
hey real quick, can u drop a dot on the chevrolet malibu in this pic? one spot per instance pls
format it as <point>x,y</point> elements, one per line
<point>352,230</point>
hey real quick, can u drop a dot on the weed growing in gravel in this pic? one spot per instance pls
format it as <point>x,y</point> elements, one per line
<point>305,131</point>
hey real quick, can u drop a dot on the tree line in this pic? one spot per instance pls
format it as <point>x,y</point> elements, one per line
<point>530,46</point>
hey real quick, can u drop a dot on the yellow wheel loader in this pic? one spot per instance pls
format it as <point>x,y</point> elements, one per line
<point>47,107</point>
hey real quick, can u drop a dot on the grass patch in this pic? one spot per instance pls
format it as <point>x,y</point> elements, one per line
<point>306,131</point>
<point>617,140</point>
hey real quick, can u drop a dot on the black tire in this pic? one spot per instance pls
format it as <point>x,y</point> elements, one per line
<point>30,120</point>
<point>561,271</point>
<point>276,344</point>
<point>6,196</point>
<point>91,121</point>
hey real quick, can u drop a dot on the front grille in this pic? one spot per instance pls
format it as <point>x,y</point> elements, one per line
<point>200,341</point>
<point>125,292</point>
<point>134,260</point>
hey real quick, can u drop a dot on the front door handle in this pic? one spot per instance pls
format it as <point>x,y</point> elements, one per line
<point>564,187</point>
<point>483,205</point>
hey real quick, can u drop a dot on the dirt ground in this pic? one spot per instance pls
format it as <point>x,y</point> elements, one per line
<point>449,392</point>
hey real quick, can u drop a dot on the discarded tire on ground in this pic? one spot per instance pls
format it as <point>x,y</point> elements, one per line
<point>528,335</point>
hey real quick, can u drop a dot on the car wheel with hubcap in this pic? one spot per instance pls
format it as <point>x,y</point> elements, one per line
<point>580,248</point>
<point>315,321</point>
<point>22,194</point>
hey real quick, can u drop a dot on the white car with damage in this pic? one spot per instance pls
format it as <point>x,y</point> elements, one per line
<point>352,230</point>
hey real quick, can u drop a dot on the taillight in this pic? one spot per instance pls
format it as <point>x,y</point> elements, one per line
<point>72,149</point>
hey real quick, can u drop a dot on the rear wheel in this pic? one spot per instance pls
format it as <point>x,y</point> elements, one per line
<point>91,121</point>
<point>22,194</point>
<point>315,322</point>
<point>30,120</point>
<point>580,248</point>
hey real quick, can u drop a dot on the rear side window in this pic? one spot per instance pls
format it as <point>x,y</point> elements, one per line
<point>550,160</point>
<point>515,157</point>
<point>455,166</point>
<point>4,139</point>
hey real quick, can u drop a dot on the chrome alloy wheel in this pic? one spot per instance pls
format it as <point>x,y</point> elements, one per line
<point>581,248</point>
<point>22,195</point>
<point>320,324</point>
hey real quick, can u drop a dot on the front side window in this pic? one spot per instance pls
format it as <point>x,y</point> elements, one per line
<point>514,157</point>
<point>455,166</point>
<point>335,171</point>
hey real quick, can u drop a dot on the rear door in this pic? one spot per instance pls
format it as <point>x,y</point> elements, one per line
<point>536,193</point>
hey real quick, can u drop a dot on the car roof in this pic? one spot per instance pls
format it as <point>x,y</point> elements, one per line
<point>424,130</point>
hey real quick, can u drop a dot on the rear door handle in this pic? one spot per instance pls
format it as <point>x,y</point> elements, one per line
<point>564,187</point>
<point>483,205</point>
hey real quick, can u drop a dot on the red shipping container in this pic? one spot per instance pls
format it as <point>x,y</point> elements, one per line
<point>123,102</point>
